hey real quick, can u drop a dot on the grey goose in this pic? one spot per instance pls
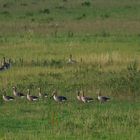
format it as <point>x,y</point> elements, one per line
<point>58,98</point>
<point>86,99</point>
<point>31,97</point>
<point>102,99</point>
<point>17,94</point>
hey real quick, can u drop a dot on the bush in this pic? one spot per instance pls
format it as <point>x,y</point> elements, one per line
<point>125,82</point>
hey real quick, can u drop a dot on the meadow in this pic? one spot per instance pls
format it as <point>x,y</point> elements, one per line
<point>103,36</point>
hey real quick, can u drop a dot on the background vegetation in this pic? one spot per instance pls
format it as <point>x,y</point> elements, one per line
<point>103,36</point>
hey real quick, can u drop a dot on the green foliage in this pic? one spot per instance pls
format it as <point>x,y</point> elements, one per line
<point>39,36</point>
<point>126,82</point>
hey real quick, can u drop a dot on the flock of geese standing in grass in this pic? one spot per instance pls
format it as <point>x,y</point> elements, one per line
<point>80,94</point>
<point>6,64</point>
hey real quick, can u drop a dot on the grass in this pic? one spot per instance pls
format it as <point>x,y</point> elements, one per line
<point>76,119</point>
<point>103,36</point>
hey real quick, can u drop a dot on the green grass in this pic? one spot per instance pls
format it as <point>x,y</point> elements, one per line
<point>39,36</point>
<point>73,120</point>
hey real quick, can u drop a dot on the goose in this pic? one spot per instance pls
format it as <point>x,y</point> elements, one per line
<point>30,97</point>
<point>42,95</point>
<point>7,98</point>
<point>102,98</point>
<point>86,99</point>
<point>58,98</point>
<point>2,68</point>
<point>17,94</point>
<point>8,64</point>
<point>71,61</point>
<point>5,64</point>
<point>78,96</point>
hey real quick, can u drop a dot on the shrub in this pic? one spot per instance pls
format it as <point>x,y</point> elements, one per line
<point>125,82</point>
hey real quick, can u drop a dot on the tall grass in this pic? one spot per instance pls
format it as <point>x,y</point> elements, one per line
<point>102,36</point>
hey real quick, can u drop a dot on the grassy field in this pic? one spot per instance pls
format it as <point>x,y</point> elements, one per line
<point>103,36</point>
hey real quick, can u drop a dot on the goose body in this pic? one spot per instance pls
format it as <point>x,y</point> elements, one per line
<point>71,61</point>
<point>58,98</point>
<point>86,99</point>
<point>31,97</point>
<point>102,98</point>
<point>7,98</point>
<point>17,94</point>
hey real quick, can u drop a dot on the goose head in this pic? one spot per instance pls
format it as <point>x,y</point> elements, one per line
<point>9,60</point>
<point>83,94</point>
<point>14,88</point>
<point>70,56</point>
<point>99,93</point>
<point>4,93</point>
<point>54,93</point>
<point>78,95</point>
<point>28,92</point>
<point>39,91</point>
